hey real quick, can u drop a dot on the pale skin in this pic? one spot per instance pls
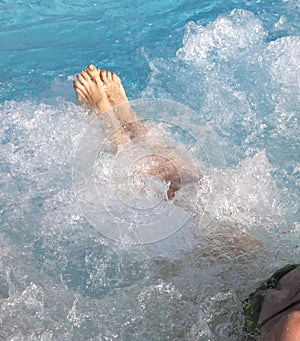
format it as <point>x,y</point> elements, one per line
<point>103,92</point>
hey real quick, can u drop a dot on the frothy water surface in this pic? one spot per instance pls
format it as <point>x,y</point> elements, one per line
<point>238,70</point>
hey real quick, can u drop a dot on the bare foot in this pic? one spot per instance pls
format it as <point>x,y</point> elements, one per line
<point>90,90</point>
<point>102,91</point>
<point>117,97</point>
<point>113,87</point>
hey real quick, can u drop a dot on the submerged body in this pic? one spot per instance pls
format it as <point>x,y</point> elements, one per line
<point>103,92</point>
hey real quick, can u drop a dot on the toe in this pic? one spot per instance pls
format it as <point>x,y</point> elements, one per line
<point>85,76</point>
<point>75,84</point>
<point>115,77</point>
<point>92,71</point>
<point>109,76</point>
<point>91,67</point>
<point>103,75</point>
<point>79,83</point>
<point>79,92</point>
<point>81,79</point>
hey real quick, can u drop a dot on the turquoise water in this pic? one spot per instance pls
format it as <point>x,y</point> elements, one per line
<point>235,64</point>
<point>42,40</point>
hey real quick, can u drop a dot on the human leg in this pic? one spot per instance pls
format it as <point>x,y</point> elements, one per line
<point>273,309</point>
<point>285,327</point>
<point>280,313</point>
<point>90,91</point>
<point>291,327</point>
<point>102,91</point>
<point>117,97</point>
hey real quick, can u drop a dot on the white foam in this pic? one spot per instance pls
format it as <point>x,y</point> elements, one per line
<point>250,197</point>
<point>228,37</point>
<point>61,279</point>
<point>281,58</point>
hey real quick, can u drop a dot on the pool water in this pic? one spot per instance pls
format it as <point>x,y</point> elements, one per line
<point>234,67</point>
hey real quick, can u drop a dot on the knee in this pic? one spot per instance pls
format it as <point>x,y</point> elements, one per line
<point>291,327</point>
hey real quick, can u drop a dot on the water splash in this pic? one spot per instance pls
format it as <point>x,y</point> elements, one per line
<point>61,279</point>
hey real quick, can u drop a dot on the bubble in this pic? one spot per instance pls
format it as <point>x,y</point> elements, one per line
<point>228,37</point>
<point>4,288</point>
<point>119,194</point>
